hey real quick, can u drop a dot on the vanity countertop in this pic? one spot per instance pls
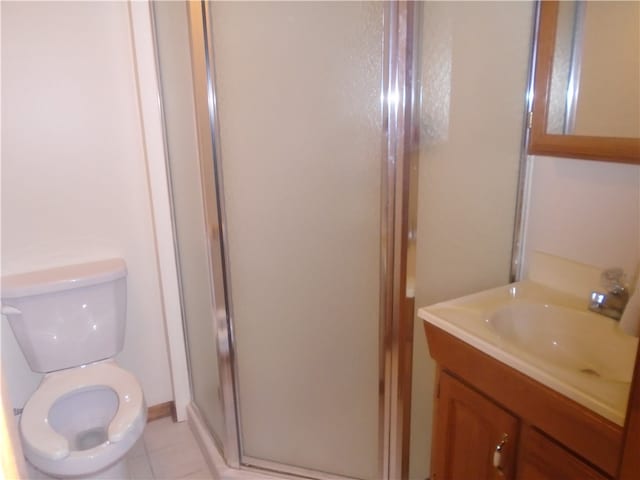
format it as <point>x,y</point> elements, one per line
<point>549,336</point>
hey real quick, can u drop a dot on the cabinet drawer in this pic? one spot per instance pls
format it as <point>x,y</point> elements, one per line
<point>540,458</point>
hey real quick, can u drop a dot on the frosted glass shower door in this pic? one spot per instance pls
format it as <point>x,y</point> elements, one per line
<point>298,88</point>
<point>171,29</point>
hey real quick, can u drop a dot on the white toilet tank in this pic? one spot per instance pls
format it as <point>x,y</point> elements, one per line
<point>67,316</point>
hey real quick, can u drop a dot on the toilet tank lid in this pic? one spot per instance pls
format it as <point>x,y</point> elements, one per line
<point>62,278</point>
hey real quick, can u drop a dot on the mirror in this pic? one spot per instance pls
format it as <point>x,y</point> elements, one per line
<point>586,98</point>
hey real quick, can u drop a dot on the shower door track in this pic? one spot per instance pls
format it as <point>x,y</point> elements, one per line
<point>399,162</point>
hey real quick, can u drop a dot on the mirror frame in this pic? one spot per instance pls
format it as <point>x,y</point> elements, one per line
<point>611,149</point>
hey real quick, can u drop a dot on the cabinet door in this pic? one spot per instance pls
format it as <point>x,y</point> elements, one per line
<point>543,459</point>
<point>474,438</point>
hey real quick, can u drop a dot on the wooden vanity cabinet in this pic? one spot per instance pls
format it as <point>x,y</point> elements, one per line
<point>475,438</point>
<point>479,400</point>
<point>469,428</point>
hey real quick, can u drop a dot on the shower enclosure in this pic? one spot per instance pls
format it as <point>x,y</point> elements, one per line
<point>288,132</point>
<point>293,133</point>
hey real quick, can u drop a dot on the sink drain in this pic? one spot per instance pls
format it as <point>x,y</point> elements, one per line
<point>589,371</point>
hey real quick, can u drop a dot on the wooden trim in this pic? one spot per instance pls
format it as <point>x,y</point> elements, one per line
<point>435,414</point>
<point>405,381</point>
<point>630,458</point>
<point>161,410</point>
<point>622,150</point>
<point>587,434</point>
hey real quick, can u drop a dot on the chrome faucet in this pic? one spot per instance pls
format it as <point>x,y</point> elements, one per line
<point>612,302</point>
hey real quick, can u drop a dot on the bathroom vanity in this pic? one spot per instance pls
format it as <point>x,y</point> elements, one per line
<point>529,385</point>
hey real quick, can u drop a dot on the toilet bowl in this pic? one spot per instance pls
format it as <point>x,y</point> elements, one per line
<point>82,420</point>
<point>87,412</point>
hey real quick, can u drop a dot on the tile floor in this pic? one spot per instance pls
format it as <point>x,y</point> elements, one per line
<point>167,451</point>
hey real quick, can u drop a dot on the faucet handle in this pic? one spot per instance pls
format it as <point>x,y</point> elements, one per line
<point>614,279</point>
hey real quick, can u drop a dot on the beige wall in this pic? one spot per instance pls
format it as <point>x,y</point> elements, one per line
<point>12,464</point>
<point>585,211</point>
<point>74,182</point>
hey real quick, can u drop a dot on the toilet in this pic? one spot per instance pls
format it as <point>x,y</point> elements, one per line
<point>87,412</point>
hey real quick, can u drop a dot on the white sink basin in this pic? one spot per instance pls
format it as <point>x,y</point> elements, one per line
<point>550,336</point>
<point>580,341</point>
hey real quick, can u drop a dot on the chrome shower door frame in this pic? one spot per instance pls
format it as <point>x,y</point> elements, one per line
<point>398,227</point>
<point>399,164</point>
<point>211,178</point>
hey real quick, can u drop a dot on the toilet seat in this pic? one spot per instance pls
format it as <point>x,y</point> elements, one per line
<point>38,435</point>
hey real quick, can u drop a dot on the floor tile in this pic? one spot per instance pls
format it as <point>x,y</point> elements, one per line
<point>173,452</point>
<point>139,468</point>
<point>164,433</point>
<point>176,462</point>
<point>166,451</point>
<point>199,475</point>
<point>138,449</point>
